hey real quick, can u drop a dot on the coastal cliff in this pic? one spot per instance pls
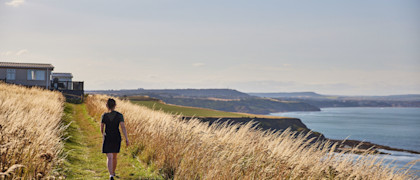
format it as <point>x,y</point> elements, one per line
<point>295,124</point>
<point>276,124</point>
<point>218,99</point>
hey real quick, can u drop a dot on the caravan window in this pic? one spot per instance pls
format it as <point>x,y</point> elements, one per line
<point>11,74</point>
<point>36,74</point>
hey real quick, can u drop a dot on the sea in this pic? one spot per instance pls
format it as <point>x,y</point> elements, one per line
<point>394,127</point>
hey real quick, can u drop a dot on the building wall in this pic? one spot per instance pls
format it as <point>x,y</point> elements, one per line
<point>21,77</point>
<point>63,78</point>
<point>2,73</point>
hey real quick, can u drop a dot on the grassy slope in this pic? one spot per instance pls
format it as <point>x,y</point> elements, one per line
<point>85,160</point>
<point>249,105</point>
<point>187,111</point>
<point>197,112</point>
<point>191,150</point>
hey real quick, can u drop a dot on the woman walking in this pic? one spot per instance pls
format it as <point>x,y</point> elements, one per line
<point>112,137</point>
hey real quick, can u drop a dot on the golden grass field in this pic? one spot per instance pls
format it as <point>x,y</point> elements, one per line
<point>30,132</point>
<point>32,136</point>
<point>193,150</point>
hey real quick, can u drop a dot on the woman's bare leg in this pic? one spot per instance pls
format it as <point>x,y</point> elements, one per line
<point>110,163</point>
<point>114,162</point>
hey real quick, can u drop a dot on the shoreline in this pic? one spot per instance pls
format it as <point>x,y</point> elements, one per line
<point>296,124</point>
<point>365,146</point>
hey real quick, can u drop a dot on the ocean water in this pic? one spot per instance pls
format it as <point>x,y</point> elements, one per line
<point>394,127</point>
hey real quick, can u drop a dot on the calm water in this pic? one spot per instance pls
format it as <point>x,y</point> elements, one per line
<point>394,127</point>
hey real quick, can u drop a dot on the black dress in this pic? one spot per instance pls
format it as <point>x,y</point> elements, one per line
<point>112,136</point>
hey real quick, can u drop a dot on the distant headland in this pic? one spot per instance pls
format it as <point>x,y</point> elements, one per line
<point>263,103</point>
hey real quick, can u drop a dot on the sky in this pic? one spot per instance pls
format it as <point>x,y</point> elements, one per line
<point>359,47</point>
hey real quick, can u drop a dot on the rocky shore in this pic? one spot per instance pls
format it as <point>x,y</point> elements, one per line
<point>266,123</point>
<point>346,145</point>
<point>295,124</point>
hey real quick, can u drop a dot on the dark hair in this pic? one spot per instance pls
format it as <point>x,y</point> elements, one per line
<point>111,103</point>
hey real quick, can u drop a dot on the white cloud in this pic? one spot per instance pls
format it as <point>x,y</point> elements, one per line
<point>7,53</point>
<point>198,64</point>
<point>151,76</point>
<point>21,52</point>
<point>15,3</point>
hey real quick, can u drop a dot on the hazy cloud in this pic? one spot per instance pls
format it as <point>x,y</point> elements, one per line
<point>14,55</point>
<point>198,64</point>
<point>21,52</point>
<point>151,76</point>
<point>15,3</point>
<point>7,53</point>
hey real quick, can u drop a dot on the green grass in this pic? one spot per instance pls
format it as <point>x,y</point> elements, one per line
<point>188,111</point>
<point>83,148</point>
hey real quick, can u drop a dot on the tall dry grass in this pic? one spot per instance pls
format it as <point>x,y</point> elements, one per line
<point>30,132</point>
<point>194,150</point>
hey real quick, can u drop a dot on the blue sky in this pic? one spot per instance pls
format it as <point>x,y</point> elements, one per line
<point>331,47</point>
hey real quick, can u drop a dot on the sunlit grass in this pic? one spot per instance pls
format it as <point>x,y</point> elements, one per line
<point>194,150</point>
<point>30,132</point>
<point>85,159</point>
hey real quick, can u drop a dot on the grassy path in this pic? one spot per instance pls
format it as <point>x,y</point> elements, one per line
<point>85,160</point>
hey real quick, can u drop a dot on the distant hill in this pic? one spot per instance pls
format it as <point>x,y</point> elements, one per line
<point>403,97</point>
<point>189,93</point>
<point>409,100</point>
<point>288,94</point>
<point>263,103</point>
<point>253,105</point>
<point>313,95</point>
<point>219,99</point>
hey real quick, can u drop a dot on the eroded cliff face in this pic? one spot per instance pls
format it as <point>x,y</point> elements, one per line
<point>295,124</point>
<point>277,124</point>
